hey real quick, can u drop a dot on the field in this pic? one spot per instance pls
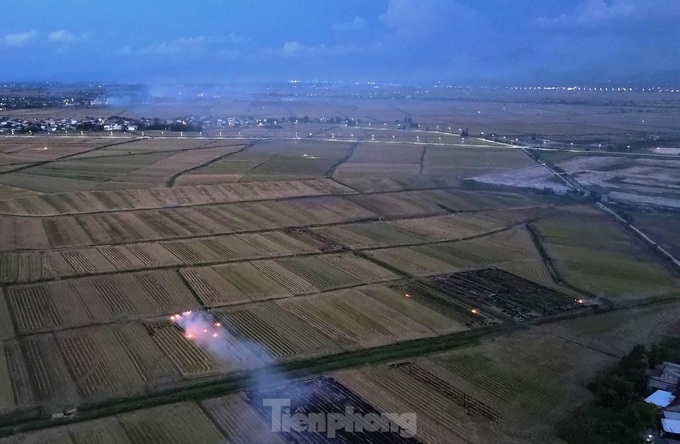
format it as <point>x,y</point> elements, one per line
<point>615,265</point>
<point>661,227</point>
<point>512,389</point>
<point>163,285</point>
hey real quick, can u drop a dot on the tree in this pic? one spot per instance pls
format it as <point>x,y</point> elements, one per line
<point>613,391</point>
<point>657,355</point>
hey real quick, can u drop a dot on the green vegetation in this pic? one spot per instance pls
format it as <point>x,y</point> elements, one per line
<point>618,414</point>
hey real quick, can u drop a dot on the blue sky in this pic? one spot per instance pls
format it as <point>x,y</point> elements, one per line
<point>467,41</point>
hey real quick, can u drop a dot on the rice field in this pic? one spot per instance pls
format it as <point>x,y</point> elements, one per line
<point>66,304</point>
<point>511,248</point>
<point>531,379</point>
<point>418,230</point>
<point>171,424</point>
<point>300,250</point>
<point>353,320</point>
<point>601,257</point>
<point>239,421</point>
<point>114,361</point>
<point>282,335</point>
<point>151,198</point>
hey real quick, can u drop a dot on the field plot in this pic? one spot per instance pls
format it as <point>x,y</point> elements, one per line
<point>432,202</point>
<point>329,272</point>
<point>21,267</point>
<point>153,198</point>
<point>510,249</point>
<point>619,331</point>
<point>70,303</point>
<point>300,160</point>
<point>662,227</point>
<point>28,149</point>
<point>6,327</point>
<point>282,335</point>
<point>101,431</point>
<point>421,313</point>
<point>161,172</point>
<point>233,284</point>
<point>415,260</point>
<point>6,393</point>
<point>95,170</point>
<point>353,320</point>
<point>323,395</point>
<point>405,203</point>
<point>239,421</point>
<point>294,283</point>
<point>150,146</point>
<point>194,355</point>
<point>233,168</point>
<point>307,211</point>
<point>13,192</point>
<point>413,387</point>
<point>503,292</point>
<point>57,435</point>
<point>373,184</point>
<point>532,380</point>
<point>189,359</point>
<point>375,159</point>
<point>170,424</point>
<point>421,230</point>
<point>362,269</point>
<point>22,233</point>
<point>40,375</point>
<point>148,225</point>
<point>601,257</point>
<point>117,361</point>
<point>466,162</point>
<point>440,300</point>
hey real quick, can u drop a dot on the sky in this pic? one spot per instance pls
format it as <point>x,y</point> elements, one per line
<point>404,41</point>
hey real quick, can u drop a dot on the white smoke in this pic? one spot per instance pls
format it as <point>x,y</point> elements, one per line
<point>228,350</point>
<point>232,352</point>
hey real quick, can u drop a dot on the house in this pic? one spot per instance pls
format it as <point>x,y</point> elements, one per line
<point>660,398</point>
<point>670,430</point>
<point>665,377</point>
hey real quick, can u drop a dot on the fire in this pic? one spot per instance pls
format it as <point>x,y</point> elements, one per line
<point>407,295</point>
<point>474,311</point>
<point>189,336</point>
<point>217,324</point>
<point>579,301</point>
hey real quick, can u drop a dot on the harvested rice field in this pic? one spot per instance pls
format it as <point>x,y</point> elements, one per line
<point>156,288</point>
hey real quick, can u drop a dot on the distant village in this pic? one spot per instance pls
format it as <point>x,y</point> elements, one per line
<point>10,125</point>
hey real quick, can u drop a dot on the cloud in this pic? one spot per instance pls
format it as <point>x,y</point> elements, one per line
<point>358,24</point>
<point>64,37</point>
<point>236,38</point>
<point>599,12</point>
<point>291,48</point>
<point>188,45</point>
<point>297,49</point>
<point>19,39</point>
<point>427,19</point>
